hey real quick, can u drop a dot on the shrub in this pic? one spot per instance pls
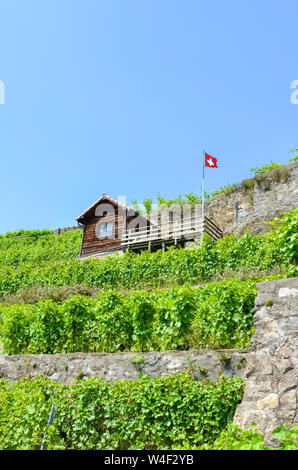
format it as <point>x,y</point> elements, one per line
<point>150,270</point>
<point>264,168</point>
<point>286,238</point>
<point>219,314</point>
<point>45,328</point>
<point>112,328</point>
<point>169,412</point>
<point>16,328</point>
<point>77,314</point>
<point>236,438</point>
<point>287,434</point>
<point>38,246</point>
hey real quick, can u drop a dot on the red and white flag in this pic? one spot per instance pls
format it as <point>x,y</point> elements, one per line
<point>210,161</point>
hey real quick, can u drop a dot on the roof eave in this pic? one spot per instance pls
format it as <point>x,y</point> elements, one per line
<point>109,198</point>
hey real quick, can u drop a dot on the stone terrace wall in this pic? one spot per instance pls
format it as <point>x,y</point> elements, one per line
<point>66,368</point>
<point>271,375</point>
<point>271,195</point>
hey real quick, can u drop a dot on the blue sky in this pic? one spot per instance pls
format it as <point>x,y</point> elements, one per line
<point>122,96</point>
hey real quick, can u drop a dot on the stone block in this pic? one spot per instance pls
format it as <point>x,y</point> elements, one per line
<point>270,401</point>
<point>288,400</point>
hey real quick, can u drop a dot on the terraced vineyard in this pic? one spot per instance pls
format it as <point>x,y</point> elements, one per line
<point>179,299</point>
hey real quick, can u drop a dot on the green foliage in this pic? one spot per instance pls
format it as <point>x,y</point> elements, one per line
<point>148,205</point>
<point>16,328</point>
<point>174,266</point>
<point>192,198</point>
<point>45,328</point>
<point>224,317</point>
<point>214,315</point>
<point>112,328</point>
<point>39,246</point>
<point>134,204</point>
<point>248,184</point>
<point>236,438</point>
<point>77,314</point>
<point>295,158</point>
<point>287,435</point>
<point>175,311</point>
<point>142,311</point>
<point>264,168</point>
<point>227,189</point>
<point>137,360</point>
<point>169,412</point>
<point>162,202</point>
<point>174,412</point>
<point>287,237</point>
<point>218,314</point>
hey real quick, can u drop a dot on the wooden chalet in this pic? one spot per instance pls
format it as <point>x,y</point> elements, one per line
<point>110,226</point>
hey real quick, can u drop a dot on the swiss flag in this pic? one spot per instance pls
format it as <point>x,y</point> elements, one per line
<point>210,161</point>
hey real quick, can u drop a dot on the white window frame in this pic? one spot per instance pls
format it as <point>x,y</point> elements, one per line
<point>105,230</point>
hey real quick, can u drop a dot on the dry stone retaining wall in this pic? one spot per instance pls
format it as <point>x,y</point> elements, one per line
<point>271,375</point>
<point>66,368</point>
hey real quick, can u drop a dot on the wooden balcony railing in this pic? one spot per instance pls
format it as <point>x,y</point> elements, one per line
<point>182,229</point>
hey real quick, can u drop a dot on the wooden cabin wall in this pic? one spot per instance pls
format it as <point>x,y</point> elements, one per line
<point>91,244</point>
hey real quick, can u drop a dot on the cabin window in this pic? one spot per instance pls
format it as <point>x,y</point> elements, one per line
<point>105,230</point>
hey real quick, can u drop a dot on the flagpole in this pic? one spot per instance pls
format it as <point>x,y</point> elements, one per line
<point>203,184</point>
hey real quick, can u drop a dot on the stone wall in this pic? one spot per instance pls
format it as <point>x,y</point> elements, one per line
<point>256,201</point>
<point>66,368</point>
<point>271,375</point>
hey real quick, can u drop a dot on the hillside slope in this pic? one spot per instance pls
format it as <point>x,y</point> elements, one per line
<point>179,299</point>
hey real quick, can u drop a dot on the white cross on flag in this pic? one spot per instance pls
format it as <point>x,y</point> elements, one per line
<point>210,161</point>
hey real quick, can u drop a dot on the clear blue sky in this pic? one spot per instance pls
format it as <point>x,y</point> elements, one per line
<point>122,96</point>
